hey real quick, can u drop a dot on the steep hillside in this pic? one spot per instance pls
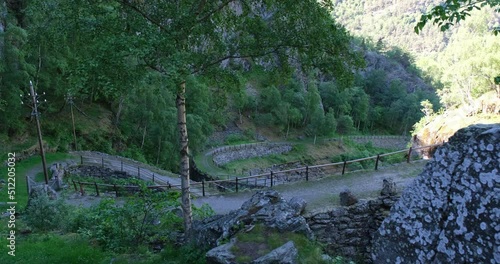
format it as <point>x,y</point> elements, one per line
<point>461,63</point>
<point>391,23</point>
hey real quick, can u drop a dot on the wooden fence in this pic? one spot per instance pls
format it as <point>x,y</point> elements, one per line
<point>137,170</point>
<point>119,190</point>
<point>269,179</point>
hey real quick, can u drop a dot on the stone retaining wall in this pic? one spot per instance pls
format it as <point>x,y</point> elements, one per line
<point>227,154</point>
<point>348,231</point>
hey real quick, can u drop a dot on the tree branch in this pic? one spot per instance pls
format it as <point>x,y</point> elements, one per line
<point>232,56</point>
<point>140,12</point>
<point>217,9</point>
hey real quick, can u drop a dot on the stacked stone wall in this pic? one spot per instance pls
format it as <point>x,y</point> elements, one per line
<point>227,154</point>
<point>348,230</point>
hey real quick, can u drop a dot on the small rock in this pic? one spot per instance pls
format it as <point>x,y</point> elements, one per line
<point>298,204</point>
<point>347,198</point>
<point>388,187</point>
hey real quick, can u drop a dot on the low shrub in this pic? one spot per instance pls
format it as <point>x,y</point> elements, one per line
<point>43,214</point>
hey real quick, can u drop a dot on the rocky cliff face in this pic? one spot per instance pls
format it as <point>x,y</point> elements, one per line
<point>451,213</point>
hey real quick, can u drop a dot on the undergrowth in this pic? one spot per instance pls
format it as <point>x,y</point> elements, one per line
<point>261,240</point>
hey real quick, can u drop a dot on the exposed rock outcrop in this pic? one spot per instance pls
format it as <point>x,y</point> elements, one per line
<point>286,254</point>
<point>266,207</point>
<point>451,213</point>
<point>221,254</point>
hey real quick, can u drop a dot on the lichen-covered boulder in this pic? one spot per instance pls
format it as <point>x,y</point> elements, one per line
<point>267,207</point>
<point>451,212</point>
<point>286,254</point>
<point>221,254</point>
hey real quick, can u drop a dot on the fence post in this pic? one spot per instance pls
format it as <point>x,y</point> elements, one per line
<point>343,168</point>
<point>81,189</point>
<point>81,160</point>
<point>121,161</point>
<point>96,188</point>
<point>271,178</point>
<point>202,187</point>
<point>116,190</point>
<point>28,185</point>
<point>102,162</point>
<point>153,178</point>
<point>138,172</point>
<point>307,173</point>
<point>409,155</point>
<point>376,162</point>
<point>236,184</point>
<point>74,184</point>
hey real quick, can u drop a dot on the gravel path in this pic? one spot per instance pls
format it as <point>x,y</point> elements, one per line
<point>323,193</point>
<point>319,194</point>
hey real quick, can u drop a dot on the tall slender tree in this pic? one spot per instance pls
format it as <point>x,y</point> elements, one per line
<point>198,37</point>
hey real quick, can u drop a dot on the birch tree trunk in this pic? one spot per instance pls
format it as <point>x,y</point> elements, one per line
<point>184,169</point>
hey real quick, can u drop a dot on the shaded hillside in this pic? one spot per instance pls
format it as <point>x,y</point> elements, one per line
<point>399,68</point>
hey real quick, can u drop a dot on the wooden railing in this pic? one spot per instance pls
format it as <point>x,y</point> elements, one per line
<point>263,180</point>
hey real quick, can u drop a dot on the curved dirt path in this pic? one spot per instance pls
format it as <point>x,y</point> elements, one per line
<point>319,194</point>
<point>323,193</point>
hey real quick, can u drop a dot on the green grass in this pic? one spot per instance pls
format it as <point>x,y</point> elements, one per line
<point>21,169</point>
<point>262,240</point>
<point>40,177</point>
<point>54,249</point>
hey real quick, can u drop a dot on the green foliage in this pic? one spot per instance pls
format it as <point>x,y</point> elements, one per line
<point>43,214</point>
<point>345,125</point>
<point>124,228</point>
<point>57,249</point>
<point>452,12</point>
<point>205,211</point>
<point>234,139</point>
<point>185,254</point>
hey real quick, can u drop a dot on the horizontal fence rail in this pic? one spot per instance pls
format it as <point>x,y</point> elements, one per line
<point>273,178</point>
<point>162,179</point>
<point>268,179</point>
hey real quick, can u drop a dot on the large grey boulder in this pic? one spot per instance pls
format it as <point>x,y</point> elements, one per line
<point>286,254</point>
<point>221,254</point>
<point>451,212</point>
<point>266,207</point>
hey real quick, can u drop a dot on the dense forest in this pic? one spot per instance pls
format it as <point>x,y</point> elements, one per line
<point>460,62</point>
<point>112,63</point>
